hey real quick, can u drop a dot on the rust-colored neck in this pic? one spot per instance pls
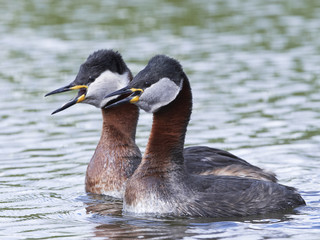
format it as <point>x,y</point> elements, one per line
<point>120,120</point>
<point>166,141</point>
<point>116,156</point>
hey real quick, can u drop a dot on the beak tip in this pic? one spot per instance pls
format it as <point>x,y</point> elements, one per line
<point>124,90</point>
<point>59,90</point>
<point>106,96</point>
<point>107,106</point>
<point>47,94</point>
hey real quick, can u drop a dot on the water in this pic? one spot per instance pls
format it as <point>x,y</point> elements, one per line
<point>254,70</point>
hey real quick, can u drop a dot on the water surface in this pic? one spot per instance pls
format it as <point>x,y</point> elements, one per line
<point>254,71</point>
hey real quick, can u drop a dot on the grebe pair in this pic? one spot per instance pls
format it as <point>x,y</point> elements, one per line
<point>117,156</point>
<point>163,183</point>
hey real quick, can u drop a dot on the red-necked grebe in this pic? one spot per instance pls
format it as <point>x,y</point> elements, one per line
<point>161,185</point>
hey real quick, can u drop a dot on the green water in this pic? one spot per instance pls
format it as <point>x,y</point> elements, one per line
<point>254,71</point>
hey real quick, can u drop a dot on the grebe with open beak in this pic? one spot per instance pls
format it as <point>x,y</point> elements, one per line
<point>116,155</point>
<point>162,185</point>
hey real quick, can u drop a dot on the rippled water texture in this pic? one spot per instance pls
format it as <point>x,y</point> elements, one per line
<point>254,68</point>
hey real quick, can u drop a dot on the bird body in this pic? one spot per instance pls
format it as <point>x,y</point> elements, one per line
<point>161,185</point>
<point>116,156</point>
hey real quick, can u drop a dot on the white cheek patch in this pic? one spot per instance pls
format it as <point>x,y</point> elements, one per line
<point>106,83</point>
<point>159,94</point>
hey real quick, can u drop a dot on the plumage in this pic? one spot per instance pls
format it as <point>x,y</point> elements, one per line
<point>117,156</point>
<point>161,185</point>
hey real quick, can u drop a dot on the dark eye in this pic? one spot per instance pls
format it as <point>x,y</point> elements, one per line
<point>147,84</point>
<point>91,78</point>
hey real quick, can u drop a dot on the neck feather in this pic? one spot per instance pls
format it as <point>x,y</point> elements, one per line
<point>116,156</point>
<point>166,141</point>
<point>121,120</point>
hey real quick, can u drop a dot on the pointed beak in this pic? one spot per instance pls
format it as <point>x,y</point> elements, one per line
<point>79,98</point>
<point>66,89</point>
<point>59,90</point>
<point>134,96</point>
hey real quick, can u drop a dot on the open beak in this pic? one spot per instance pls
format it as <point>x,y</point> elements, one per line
<point>134,96</point>
<point>79,98</point>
